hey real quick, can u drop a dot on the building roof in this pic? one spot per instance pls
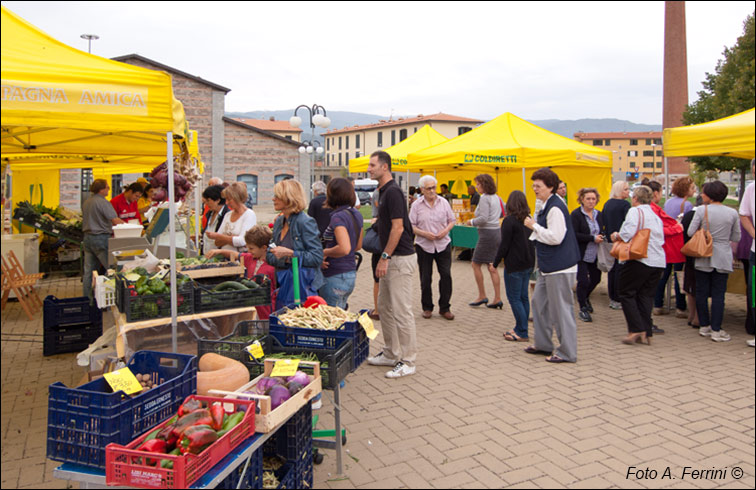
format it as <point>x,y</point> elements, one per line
<point>619,135</point>
<point>408,120</point>
<point>269,125</point>
<point>167,68</point>
<point>261,131</point>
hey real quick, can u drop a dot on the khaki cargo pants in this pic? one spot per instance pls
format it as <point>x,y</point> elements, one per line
<point>395,303</point>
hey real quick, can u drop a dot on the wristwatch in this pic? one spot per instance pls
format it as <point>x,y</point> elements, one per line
<point>386,256</point>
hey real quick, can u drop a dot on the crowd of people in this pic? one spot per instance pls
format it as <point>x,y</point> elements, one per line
<point>547,254</point>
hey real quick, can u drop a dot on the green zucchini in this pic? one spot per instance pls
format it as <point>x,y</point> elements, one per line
<point>230,286</point>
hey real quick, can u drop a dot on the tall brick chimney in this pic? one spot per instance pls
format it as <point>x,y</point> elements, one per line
<point>675,76</point>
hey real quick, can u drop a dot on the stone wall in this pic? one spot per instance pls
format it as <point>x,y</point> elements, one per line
<point>250,152</point>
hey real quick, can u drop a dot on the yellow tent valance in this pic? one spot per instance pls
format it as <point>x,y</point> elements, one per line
<point>59,100</point>
<point>508,142</point>
<point>731,136</point>
<point>424,138</point>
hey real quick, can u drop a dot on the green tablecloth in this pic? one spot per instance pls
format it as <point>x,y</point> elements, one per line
<point>464,236</point>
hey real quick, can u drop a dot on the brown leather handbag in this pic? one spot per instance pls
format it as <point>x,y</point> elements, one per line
<point>637,247</point>
<point>701,244</point>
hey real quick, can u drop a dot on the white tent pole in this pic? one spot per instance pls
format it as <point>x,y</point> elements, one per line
<point>172,232</point>
<point>197,217</point>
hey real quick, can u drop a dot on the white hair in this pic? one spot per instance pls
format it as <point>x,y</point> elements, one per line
<point>425,179</point>
<point>319,187</point>
<point>215,181</point>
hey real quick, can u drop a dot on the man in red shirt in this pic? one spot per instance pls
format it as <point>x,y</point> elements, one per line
<point>125,204</point>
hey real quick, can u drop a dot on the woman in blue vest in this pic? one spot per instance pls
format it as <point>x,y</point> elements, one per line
<point>558,254</point>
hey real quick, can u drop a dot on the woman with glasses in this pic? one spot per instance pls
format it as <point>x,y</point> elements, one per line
<point>432,219</point>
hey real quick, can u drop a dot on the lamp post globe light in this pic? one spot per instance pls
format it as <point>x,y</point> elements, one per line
<point>319,118</point>
<point>90,38</point>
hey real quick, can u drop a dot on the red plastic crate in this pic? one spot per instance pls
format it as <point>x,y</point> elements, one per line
<point>123,463</point>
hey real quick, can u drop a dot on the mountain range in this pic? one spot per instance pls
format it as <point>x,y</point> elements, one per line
<point>340,119</point>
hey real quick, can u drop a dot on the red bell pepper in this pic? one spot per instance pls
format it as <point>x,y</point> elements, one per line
<point>153,446</point>
<point>196,438</point>
<point>197,417</point>
<point>217,413</point>
<point>189,406</point>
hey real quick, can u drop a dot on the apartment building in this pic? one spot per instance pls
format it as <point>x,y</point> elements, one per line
<point>635,155</point>
<point>354,141</point>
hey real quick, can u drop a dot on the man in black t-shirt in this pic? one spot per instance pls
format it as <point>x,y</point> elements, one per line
<point>316,210</point>
<point>396,268</point>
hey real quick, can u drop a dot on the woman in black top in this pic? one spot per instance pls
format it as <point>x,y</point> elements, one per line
<point>518,253</point>
<point>614,213</point>
<point>689,283</point>
<point>589,228</point>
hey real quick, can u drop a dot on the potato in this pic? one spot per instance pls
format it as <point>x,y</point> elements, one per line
<point>139,377</point>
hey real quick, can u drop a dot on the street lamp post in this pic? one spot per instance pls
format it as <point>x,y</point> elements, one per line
<point>318,117</point>
<point>90,38</point>
<point>653,161</point>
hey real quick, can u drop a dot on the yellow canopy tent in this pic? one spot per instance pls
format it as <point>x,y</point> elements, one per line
<point>57,100</point>
<point>511,149</point>
<point>731,136</point>
<point>424,138</point>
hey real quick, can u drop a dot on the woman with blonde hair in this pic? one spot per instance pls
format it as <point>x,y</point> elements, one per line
<point>230,235</point>
<point>295,234</point>
<point>614,213</point>
<point>638,278</point>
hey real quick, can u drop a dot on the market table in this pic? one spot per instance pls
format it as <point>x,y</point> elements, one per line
<point>93,478</point>
<point>464,236</point>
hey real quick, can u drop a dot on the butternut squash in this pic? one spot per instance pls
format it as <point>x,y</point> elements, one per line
<point>220,373</point>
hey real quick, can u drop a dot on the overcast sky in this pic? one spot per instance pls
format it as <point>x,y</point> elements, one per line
<point>539,60</point>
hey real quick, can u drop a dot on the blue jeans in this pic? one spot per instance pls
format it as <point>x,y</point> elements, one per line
<point>95,259</point>
<point>516,284</point>
<point>711,284</point>
<point>337,289</point>
<point>661,288</point>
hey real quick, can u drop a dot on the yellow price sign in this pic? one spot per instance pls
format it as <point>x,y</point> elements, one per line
<point>255,350</point>
<point>123,379</point>
<point>285,367</point>
<point>367,325</point>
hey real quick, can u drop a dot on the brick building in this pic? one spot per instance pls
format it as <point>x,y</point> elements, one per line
<point>257,156</point>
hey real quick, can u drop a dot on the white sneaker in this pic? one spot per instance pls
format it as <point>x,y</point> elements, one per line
<point>400,370</point>
<point>380,360</point>
<point>720,336</point>
<point>705,331</point>
<point>751,342</point>
<point>615,305</point>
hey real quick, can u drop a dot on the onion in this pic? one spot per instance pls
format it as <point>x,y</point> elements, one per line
<point>265,384</point>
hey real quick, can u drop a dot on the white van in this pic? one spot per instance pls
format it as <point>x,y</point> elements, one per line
<point>364,189</point>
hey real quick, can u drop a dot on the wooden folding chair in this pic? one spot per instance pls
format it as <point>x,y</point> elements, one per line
<point>22,284</point>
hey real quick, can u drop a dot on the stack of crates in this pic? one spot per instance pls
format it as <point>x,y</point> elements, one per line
<point>293,443</point>
<point>70,325</point>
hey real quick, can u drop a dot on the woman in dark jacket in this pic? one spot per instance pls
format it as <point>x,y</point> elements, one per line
<point>589,228</point>
<point>295,234</point>
<point>518,253</point>
<point>615,210</point>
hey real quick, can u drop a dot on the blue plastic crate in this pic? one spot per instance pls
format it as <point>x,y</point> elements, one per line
<point>69,311</point>
<point>288,480</point>
<point>322,339</point>
<point>82,421</point>
<point>253,477</point>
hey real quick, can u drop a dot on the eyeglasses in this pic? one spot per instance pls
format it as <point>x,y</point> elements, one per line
<point>429,188</point>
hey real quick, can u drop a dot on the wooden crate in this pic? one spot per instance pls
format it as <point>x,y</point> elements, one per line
<point>268,420</point>
<point>236,270</point>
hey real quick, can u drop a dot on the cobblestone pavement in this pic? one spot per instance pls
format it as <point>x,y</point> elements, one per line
<point>480,412</point>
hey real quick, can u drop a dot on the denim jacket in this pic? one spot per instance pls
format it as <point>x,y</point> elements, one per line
<point>307,246</point>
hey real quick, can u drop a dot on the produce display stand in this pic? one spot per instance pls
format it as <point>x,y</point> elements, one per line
<point>238,457</point>
<point>464,236</point>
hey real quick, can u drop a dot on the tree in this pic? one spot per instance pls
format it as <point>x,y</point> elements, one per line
<point>729,90</point>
